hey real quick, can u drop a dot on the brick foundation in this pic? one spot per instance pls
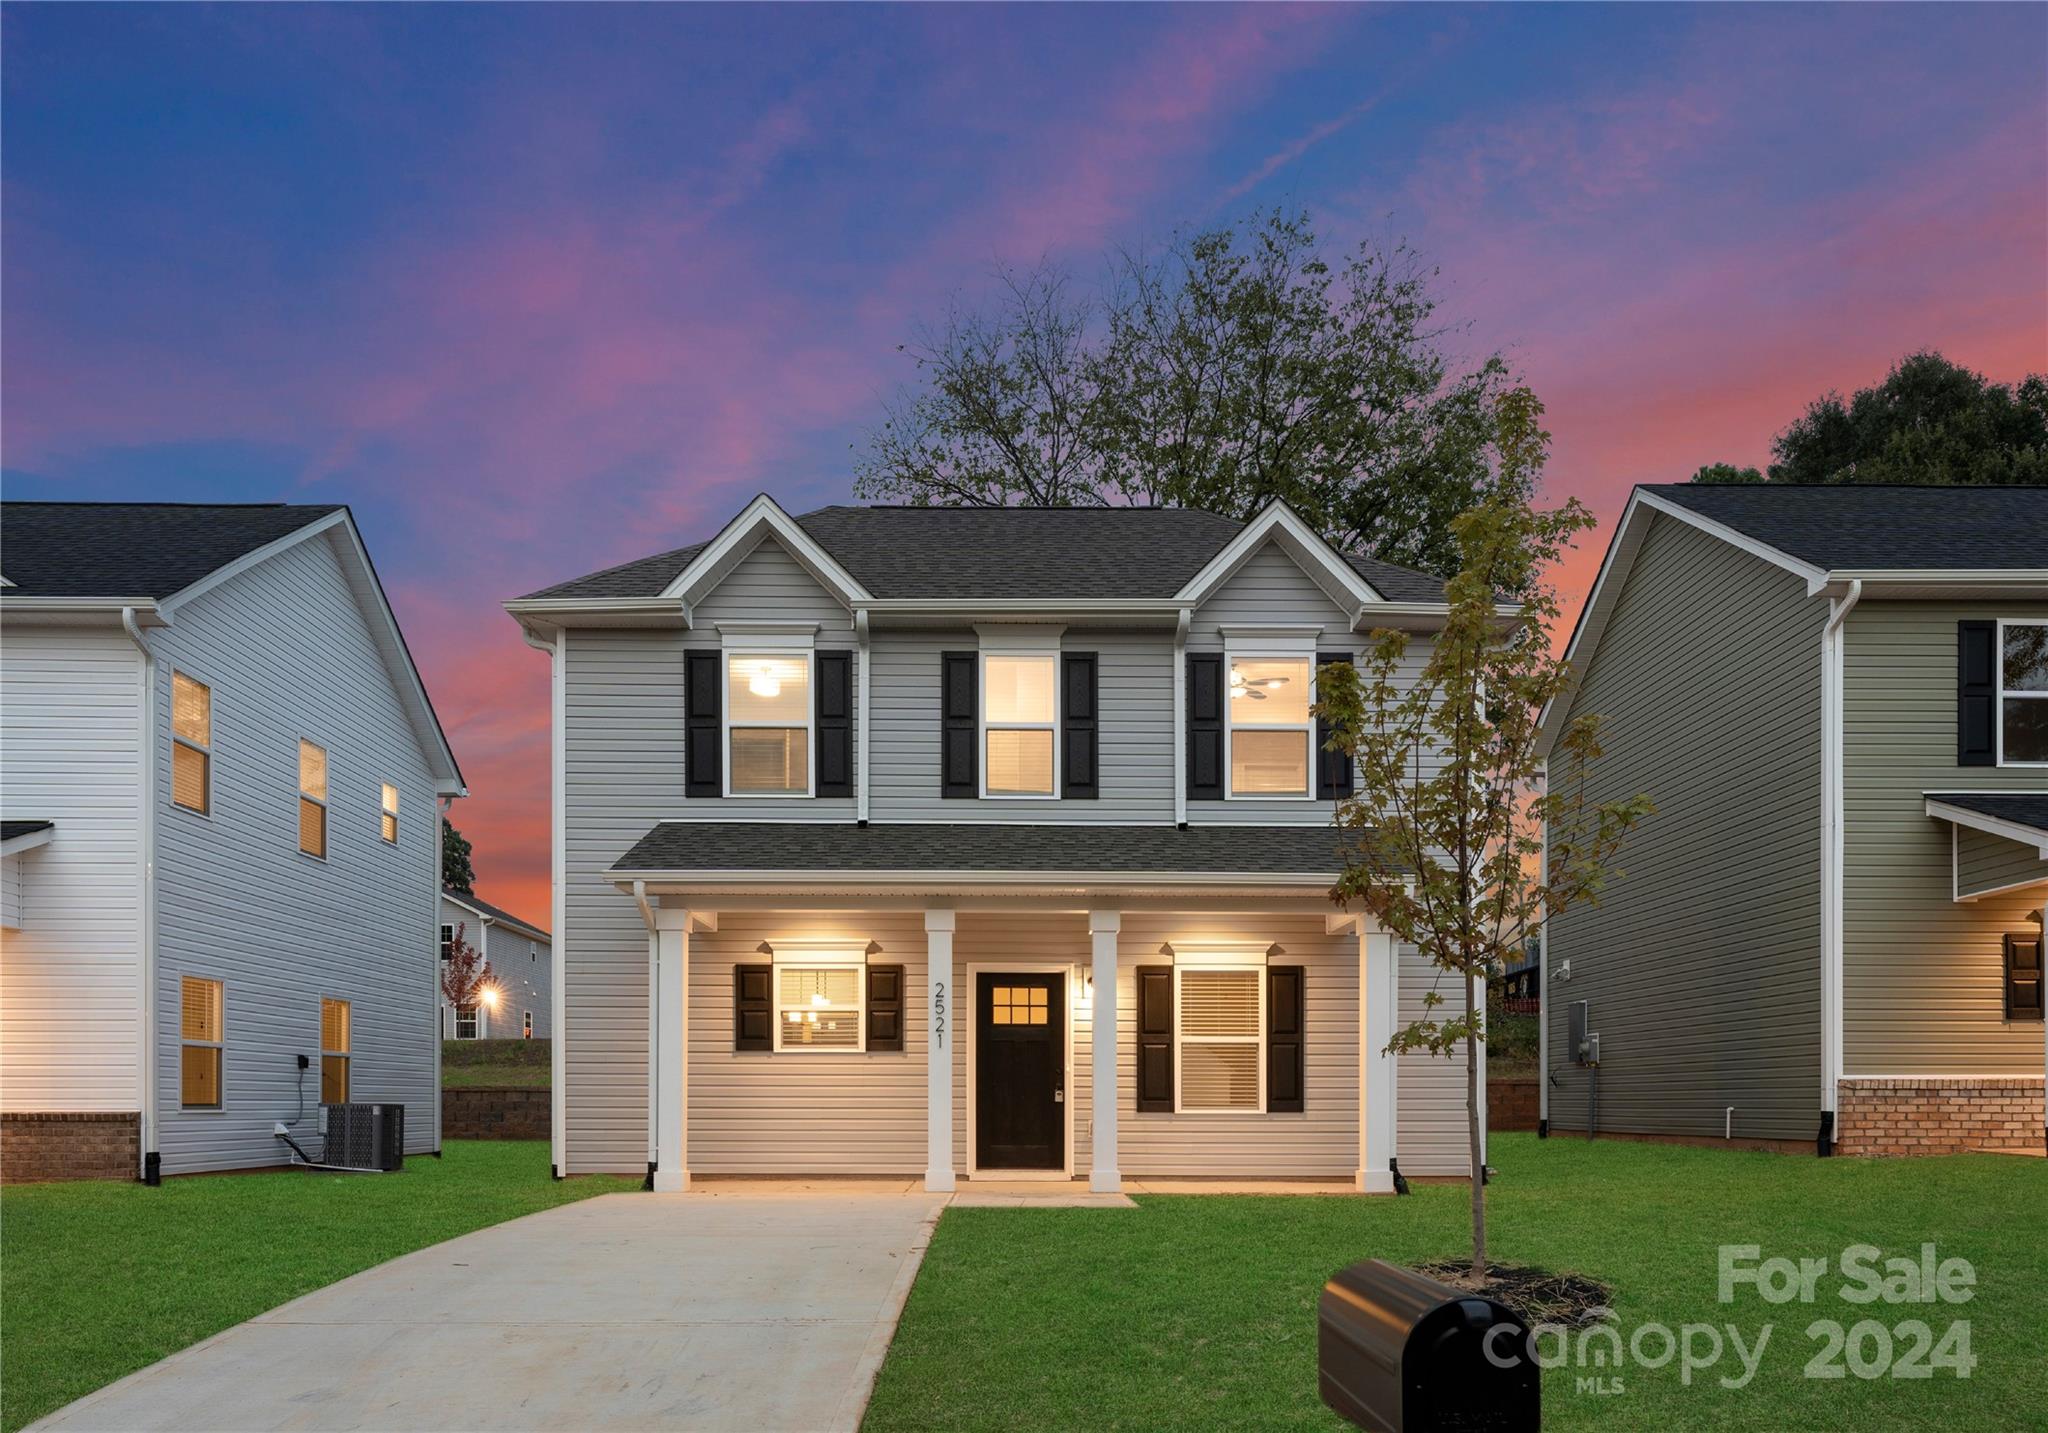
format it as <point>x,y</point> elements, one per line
<point>35,1148</point>
<point>1510,1105</point>
<point>495,1113</point>
<point>1920,1116</point>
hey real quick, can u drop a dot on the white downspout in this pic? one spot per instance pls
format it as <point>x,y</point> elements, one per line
<point>1831,701</point>
<point>1180,716</point>
<point>558,1002</point>
<point>147,1149</point>
<point>860,782</point>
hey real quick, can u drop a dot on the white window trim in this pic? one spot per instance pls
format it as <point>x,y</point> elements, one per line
<point>326,814</point>
<point>983,726</point>
<point>327,1054</point>
<point>765,641</point>
<point>526,1027</point>
<point>221,1045</point>
<point>447,938</point>
<point>177,741</point>
<point>2004,696</point>
<point>1195,960</point>
<point>1282,645</point>
<point>798,960</point>
<point>476,1016</point>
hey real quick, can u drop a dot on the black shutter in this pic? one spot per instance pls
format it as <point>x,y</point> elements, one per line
<point>2023,977</point>
<point>958,710</point>
<point>1205,726</point>
<point>702,702</point>
<point>1079,741</point>
<point>1976,694</point>
<point>1286,1039</point>
<point>1155,1039</point>
<point>753,1007</point>
<point>885,1007</point>
<point>1333,768</point>
<point>834,703</point>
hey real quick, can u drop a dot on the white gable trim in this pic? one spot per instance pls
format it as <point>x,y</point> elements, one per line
<point>383,624</point>
<point>761,518</point>
<point>1280,524</point>
<point>1989,825</point>
<point>1636,519</point>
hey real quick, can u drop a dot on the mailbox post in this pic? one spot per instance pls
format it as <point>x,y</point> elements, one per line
<point>1399,1353</point>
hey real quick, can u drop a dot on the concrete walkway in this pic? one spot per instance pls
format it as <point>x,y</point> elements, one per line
<point>739,1313</point>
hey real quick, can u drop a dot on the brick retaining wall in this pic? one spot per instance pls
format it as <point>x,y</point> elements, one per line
<point>39,1147</point>
<point>494,1112</point>
<point>1511,1104</point>
<point>1920,1116</point>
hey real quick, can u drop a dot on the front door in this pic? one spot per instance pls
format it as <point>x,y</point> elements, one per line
<point>1020,1064</point>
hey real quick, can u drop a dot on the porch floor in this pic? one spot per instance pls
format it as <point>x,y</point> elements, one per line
<point>972,1193</point>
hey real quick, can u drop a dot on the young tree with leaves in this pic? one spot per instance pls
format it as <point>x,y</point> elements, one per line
<point>1450,804</point>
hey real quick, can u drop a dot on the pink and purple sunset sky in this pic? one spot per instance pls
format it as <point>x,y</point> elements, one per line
<point>536,289</point>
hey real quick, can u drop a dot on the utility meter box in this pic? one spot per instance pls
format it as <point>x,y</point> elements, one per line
<point>1575,1040</point>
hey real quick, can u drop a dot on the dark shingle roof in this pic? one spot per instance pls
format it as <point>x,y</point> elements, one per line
<point>2022,808</point>
<point>134,549</point>
<point>970,553</point>
<point>826,849</point>
<point>1880,525</point>
<point>10,829</point>
<point>494,912</point>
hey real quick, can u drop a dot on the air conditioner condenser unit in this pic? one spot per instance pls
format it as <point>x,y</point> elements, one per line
<point>364,1137</point>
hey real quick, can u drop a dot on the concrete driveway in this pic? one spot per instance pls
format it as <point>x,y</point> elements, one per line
<point>749,1313</point>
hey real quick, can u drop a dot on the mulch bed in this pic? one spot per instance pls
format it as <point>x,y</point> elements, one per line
<point>1538,1295</point>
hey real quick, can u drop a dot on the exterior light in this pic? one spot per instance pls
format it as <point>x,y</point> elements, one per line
<point>763,684</point>
<point>490,997</point>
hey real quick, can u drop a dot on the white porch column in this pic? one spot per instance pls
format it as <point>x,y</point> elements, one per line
<point>1378,991</point>
<point>1103,1175</point>
<point>940,1035</point>
<point>669,1030</point>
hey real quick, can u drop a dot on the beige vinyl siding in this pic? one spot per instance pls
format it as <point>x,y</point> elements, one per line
<point>1985,862</point>
<point>1430,1122</point>
<point>1702,961</point>
<point>71,976</point>
<point>1921,973</point>
<point>787,1112</point>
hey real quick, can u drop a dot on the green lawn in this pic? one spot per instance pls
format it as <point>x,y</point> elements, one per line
<point>1200,1312</point>
<point>469,1064</point>
<point>100,1279</point>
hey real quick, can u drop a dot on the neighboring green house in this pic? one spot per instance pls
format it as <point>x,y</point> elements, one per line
<point>1829,935</point>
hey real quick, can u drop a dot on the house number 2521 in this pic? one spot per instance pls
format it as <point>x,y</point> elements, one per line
<point>939,1014</point>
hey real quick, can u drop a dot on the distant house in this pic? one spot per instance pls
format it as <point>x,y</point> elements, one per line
<point>521,959</point>
<point>221,779</point>
<point>1829,935</point>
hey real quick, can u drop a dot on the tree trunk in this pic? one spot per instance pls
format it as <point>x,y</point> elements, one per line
<point>1472,1132</point>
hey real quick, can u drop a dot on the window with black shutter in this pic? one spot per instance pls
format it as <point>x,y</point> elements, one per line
<point>753,1007</point>
<point>1205,726</point>
<point>885,1007</point>
<point>703,701</point>
<point>1333,768</point>
<point>1286,1039</point>
<point>1080,745</point>
<point>1155,1039</point>
<point>2023,977</point>
<point>959,773</point>
<point>1976,694</point>
<point>834,710</point>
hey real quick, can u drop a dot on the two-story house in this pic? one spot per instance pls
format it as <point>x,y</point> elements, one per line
<point>519,1003</point>
<point>221,778</point>
<point>1829,934</point>
<point>974,842</point>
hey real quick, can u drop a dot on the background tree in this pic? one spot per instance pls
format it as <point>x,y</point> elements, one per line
<point>457,874</point>
<point>465,973</point>
<point>1449,812</point>
<point>1233,366</point>
<point>1930,421</point>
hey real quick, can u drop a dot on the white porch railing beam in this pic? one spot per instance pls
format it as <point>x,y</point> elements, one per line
<point>940,1036</point>
<point>1104,1177</point>
<point>668,1026</point>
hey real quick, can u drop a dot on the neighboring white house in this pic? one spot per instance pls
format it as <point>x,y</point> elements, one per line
<point>521,958</point>
<point>222,779</point>
<point>872,825</point>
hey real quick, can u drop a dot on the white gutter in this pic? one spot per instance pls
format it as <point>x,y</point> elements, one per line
<point>147,1044</point>
<point>1831,643</point>
<point>922,881</point>
<point>1180,715</point>
<point>860,761</point>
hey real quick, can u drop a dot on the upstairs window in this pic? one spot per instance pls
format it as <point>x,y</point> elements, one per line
<point>1271,733</point>
<point>1220,1024</point>
<point>334,1022</point>
<point>1019,717</point>
<point>2023,693</point>
<point>313,799</point>
<point>191,744</point>
<point>819,1007</point>
<point>447,942</point>
<point>390,819</point>
<point>201,1031</point>
<point>768,724</point>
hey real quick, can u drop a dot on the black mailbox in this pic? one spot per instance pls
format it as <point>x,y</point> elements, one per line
<point>1401,1353</point>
